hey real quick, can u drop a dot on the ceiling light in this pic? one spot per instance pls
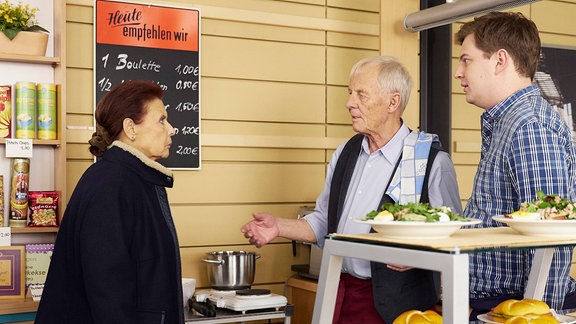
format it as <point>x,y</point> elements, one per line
<point>455,10</point>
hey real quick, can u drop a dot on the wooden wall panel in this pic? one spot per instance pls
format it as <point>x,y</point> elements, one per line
<point>196,224</point>
<point>215,27</point>
<point>365,5</point>
<point>79,13</point>
<point>558,40</point>
<point>339,131</point>
<point>554,17</point>
<point>396,41</point>
<point>80,128</point>
<point>78,152</point>
<point>466,175</point>
<point>245,154</point>
<point>466,147</point>
<point>262,60</point>
<point>339,61</point>
<point>316,2</point>
<point>356,16</point>
<point>79,45</point>
<point>353,40</point>
<point>262,101</point>
<point>262,128</point>
<point>241,183</point>
<point>465,115</point>
<point>337,113</point>
<point>74,170</point>
<point>80,95</point>
<point>251,9</point>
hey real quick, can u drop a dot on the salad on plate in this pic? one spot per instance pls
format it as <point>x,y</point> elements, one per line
<point>413,212</point>
<point>545,207</point>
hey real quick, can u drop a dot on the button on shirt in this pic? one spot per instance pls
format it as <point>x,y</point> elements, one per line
<point>369,181</point>
<point>526,147</point>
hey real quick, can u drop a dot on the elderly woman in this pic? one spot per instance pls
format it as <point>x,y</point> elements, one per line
<point>116,257</point>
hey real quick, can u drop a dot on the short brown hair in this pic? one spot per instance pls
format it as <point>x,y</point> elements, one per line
<point>506,30</point>
<point>126,100</point>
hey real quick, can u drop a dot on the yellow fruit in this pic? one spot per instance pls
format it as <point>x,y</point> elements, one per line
<point>418,317</point>
<point>532,319</point>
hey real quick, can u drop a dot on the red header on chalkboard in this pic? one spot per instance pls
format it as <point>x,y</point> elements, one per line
<point>128,24</point>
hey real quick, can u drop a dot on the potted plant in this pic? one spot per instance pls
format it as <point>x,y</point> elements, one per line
<point>20,34</point>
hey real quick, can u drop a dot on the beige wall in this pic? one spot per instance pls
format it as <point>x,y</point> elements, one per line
<point>270,124</point>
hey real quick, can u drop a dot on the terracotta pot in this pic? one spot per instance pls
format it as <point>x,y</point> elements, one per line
<point>26,43</point>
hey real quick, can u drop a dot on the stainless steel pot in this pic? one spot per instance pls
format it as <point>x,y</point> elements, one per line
<point>231,270</point>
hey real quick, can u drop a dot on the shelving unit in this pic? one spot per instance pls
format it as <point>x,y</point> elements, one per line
<point>48,164</point>
<point>23,68</point>
<point>30,59</point>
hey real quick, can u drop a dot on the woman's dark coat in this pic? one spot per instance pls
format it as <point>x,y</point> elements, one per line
<point>116,258</point>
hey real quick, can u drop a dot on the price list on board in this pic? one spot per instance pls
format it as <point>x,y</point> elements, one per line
<point>160,44</point>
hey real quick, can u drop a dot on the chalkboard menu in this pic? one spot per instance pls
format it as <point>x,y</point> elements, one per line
<point>161,44</point>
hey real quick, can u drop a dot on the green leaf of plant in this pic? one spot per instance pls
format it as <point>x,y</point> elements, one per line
<point>36,28</point>
<point>10,33</point>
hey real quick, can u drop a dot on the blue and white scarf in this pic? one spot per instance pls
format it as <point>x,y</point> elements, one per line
<point>406,183</point>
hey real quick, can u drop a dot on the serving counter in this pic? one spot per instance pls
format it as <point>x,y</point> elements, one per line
<point>448,256</point>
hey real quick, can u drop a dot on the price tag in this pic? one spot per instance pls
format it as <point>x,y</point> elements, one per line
<point>36,291</point>
<point>18,148</point>
<point>5,236</point>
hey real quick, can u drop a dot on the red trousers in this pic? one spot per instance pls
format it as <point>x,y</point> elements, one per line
<point>355,302</point>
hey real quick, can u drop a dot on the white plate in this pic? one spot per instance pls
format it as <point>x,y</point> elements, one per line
<point>563,319</point>
<point>540,227</point>
<point>417,230</point>
<point>487,319</point>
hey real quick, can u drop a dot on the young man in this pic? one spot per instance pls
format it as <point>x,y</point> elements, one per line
<point>360,177</point>
<point>526,147</point>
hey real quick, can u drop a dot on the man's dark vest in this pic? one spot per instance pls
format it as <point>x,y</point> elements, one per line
<point>394,291</point>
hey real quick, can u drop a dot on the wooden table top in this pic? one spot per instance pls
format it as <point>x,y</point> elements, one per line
<point>464,240</point>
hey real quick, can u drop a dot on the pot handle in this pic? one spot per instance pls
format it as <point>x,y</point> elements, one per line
<point>213,261</point>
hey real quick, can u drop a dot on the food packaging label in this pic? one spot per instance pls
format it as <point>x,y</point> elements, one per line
<point>25,110</point>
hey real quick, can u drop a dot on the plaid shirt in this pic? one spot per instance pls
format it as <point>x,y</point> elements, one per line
<point>526,147</point>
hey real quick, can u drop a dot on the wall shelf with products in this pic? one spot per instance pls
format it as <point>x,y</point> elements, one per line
<point>48,162</point>
<point>32,230</point>
<point>55,142</point>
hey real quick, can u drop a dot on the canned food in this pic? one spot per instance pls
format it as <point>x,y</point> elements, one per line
<point>47,115</point>
<point>19,191</point>
<point>25,110</point>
